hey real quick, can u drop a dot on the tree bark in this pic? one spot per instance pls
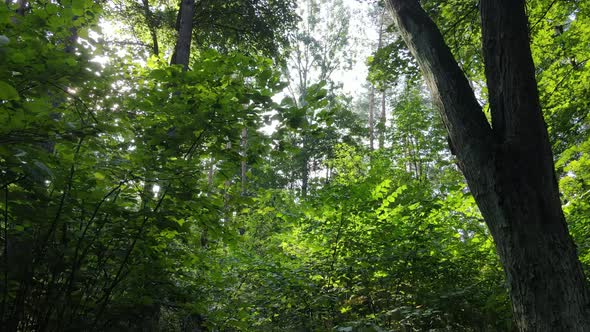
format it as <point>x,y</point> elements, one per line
<point>372,118</point>
<point>382,121</point>
<point>185,30</point>
<point>508,166</point>
<point>304,167</point>
<point>150,22</point>
<point>244,155</point>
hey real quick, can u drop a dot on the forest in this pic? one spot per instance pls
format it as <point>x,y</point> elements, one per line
<point>294,165</point>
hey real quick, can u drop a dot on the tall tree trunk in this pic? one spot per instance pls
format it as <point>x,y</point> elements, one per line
<point>509,168</point>
<point>372,118</point>
<point>244,159</point>
<point>149,18</point>
<point>537,247</point>
<point>304,169</point>
<point>185,30</point>
<point>382,121</point>
<point>226,188</point>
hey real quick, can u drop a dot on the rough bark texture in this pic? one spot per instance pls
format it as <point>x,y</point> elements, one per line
<point>185,31</point>
<point>509,168</point>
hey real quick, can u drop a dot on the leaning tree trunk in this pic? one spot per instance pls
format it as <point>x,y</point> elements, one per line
<point>509,166</point>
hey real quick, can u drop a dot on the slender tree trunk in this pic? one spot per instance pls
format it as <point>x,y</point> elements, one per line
<point>210,173</point>
<point>509,168</point>
<point>305,172</point>
<point>382,121</point>
<point>149,18</point>
<point>185,31</point>
<point>244,159</point>
<point>226,188</point>
<point>381,124</point>
<point>372,118</point>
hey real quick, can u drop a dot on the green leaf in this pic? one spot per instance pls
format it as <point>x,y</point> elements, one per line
<point>78,8</point>
<point>8,92</point>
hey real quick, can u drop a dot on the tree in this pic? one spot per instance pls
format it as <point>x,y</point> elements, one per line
<point>256,27</point>
<point>318,50</point>
<point>101,232</point>
<point>508,165</point>
<point>185,31</point>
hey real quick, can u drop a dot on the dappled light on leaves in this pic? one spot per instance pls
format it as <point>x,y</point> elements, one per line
<point>251,184</point>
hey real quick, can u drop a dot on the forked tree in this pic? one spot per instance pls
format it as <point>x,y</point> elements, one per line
<point>508,164</point>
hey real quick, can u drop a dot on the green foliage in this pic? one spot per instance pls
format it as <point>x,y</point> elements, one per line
<point>392,63</point>
<point>260,27</point>
<point>575,185</point>
<point>254,27</point>
<point>104,181</point>
<point>458,21</point>
<point>364,251</point>
<point>131,199</point>
<point>559,31</point>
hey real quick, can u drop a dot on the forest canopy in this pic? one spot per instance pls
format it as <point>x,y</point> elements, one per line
<point>262,165</point>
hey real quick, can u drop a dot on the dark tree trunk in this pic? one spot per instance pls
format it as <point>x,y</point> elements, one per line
<point>194,323</point>
<point>547,284</point>
<point>150,20</point>
<point>509,168</point>
<point>22,7</point>
<point>149,318</point>
<point>185,30</point>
